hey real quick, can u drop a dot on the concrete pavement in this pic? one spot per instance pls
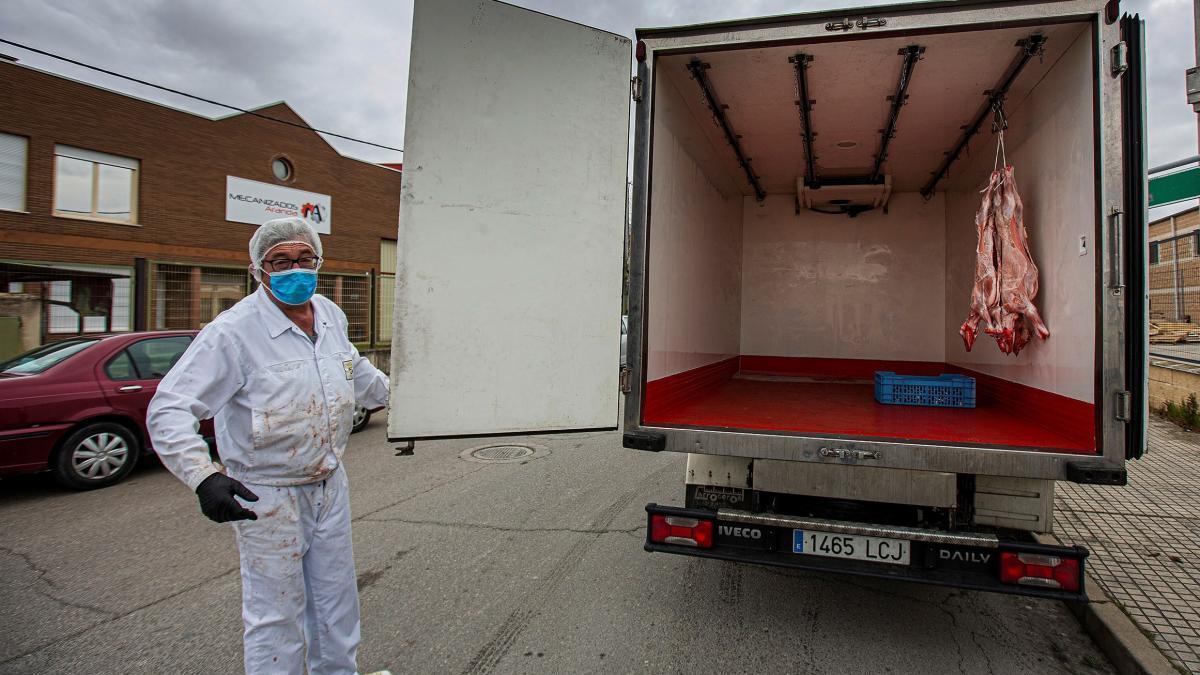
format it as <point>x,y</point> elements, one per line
<point>468,567</point>
<point>1144,539</point>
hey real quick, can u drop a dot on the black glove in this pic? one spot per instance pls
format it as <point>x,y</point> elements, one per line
<point>216,499</point>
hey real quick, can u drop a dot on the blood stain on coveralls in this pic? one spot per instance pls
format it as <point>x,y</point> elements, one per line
<point>285,544</point>
<point>314,469</point>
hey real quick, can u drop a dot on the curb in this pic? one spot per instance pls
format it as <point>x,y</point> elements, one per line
<point>1121,640</point>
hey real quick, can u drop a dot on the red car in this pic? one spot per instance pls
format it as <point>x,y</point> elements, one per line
<point>78,407</point>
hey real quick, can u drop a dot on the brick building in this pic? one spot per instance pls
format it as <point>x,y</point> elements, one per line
<point>120,214</point>
<point>1175,267</point>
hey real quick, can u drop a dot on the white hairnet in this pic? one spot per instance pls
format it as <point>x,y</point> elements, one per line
<point>281,231</point>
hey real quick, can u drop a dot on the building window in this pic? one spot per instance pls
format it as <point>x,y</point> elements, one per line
<point>95,185</point>
<point>72,299</point>
<point>13,153</point>
<point>1153,253</point>
<point>281,168</point>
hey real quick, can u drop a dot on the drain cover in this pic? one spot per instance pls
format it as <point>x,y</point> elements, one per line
<point>504,453</point>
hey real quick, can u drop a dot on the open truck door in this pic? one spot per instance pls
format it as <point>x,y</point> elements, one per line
<point>1133,104</point>
<point>508,274</point>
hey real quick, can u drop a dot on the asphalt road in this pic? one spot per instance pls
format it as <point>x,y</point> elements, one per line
<point>468,567</point>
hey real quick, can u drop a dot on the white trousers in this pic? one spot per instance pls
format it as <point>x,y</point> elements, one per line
<point>298,583</point>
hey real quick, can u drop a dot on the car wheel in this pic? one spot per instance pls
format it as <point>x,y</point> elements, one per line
<point>361,417</point>
<point>95,456</point>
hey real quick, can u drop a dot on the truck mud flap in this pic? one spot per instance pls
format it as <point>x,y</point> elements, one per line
<point>960,560</point>
<point>644,441</point>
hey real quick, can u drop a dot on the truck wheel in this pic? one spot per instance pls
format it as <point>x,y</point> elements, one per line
<point>96,455</point>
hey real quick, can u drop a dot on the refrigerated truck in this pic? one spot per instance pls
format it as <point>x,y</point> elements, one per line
<point>803,197</point>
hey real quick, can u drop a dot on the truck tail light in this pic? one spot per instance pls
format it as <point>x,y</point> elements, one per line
<point>640,51</point>
<point>1036,569</point>
<point>681,531</point>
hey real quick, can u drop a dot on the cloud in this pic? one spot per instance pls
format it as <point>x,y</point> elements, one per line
<point>343,66</point>
<point>1169,38</point>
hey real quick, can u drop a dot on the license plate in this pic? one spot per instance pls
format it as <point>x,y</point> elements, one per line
<point>851,546</point>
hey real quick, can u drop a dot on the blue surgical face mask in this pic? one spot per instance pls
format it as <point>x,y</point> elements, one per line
<point>293,287</point>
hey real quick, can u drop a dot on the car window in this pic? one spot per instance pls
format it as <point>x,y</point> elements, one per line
<point>43,358</point>
<point>154,357</point>
<point>121,368</point>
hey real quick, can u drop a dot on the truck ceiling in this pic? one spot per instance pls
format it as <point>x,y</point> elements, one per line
<point>850,90</point>
<point>836,13</point>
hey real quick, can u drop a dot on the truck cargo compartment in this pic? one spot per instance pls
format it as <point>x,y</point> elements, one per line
<point>765,315</point>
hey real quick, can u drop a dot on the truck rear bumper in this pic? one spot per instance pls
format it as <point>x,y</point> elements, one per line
<point>961,560</point>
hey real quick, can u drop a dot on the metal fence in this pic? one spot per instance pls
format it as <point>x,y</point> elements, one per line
<point>353,295</point>
<point>186,297</point>
<point>189,297</point>
<point>1175,297</point>
<point>42,302</point>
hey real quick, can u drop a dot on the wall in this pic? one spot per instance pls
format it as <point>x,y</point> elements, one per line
<point>1175,277</point>
<point>28,310</point>
<point>838,287</point>
<point>1183,222</point>
<point>1171,381</point>
<point>695,246</point>
<point>1050,142</point>
<point>184,159</point>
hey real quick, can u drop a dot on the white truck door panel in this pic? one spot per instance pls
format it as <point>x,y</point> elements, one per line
<point>508,276</point>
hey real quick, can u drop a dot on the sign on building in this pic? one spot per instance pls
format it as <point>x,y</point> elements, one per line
<point>249,201</point>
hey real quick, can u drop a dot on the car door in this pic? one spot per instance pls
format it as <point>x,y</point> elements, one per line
<point>509,253</point>
<point>130,377</point>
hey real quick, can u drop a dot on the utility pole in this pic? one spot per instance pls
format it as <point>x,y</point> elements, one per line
<point>1193,75</point>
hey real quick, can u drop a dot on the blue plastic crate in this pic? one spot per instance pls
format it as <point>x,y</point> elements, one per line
<point>943,391</point>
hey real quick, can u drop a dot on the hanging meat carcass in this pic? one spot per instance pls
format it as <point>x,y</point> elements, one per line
<point>985,294</point>
<point>1016,271</point>
<point>1006,278</point>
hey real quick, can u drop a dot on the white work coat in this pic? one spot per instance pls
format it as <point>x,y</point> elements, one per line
<point>283,407</point>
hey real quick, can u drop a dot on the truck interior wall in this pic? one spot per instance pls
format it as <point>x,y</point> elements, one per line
<point>1050,144</point>
<point>694,303</point>
<point>828,286</point>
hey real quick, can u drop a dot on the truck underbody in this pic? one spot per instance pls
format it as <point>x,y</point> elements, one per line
<point>963,531</point>
<point>974,560</point>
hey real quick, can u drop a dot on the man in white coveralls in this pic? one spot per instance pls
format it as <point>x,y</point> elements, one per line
<point>279,376</point>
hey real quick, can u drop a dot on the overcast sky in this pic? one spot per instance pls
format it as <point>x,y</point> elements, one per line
<point>343,65</point>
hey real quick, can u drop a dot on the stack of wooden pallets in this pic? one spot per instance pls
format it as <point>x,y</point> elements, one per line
<point>1169,332</point>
